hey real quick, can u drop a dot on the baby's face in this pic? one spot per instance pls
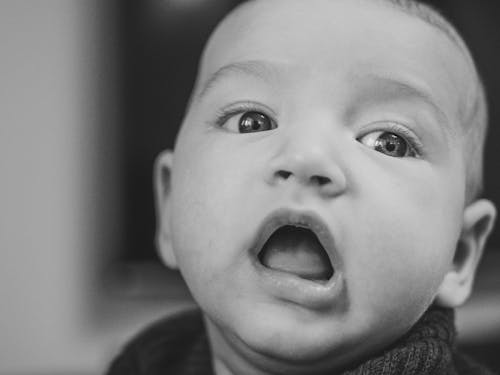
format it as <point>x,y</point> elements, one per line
<point>317,188</point>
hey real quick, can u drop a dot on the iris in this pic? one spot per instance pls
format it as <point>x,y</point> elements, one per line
<point>254,122</point>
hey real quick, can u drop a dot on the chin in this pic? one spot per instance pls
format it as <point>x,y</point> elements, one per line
<point>286,340</point>
<point>298,352</point>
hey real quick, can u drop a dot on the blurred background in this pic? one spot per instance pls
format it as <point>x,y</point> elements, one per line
<point>91,92</point>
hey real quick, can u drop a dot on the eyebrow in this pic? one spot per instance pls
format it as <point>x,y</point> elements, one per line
<point>385,88</point>
<point>262,70</point>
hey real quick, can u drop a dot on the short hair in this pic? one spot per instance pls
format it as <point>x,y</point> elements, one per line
<point>474,112</point>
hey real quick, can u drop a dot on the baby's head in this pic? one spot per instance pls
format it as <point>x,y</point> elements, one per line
<point>323,192</point>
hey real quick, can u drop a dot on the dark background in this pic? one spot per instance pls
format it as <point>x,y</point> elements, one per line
<point>159,44</point>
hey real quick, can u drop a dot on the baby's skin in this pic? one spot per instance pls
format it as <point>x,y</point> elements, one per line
<point>315,202</point>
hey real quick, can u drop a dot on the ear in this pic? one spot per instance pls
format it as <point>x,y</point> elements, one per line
<point>478,221</point>
<point>162,179</point>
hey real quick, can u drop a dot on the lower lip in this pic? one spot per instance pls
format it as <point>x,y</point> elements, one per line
<point>315,295</point>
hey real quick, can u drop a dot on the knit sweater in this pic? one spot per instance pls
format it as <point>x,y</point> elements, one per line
<point>178,345</point>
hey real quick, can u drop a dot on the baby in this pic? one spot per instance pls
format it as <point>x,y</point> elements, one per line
<point>322,202</point>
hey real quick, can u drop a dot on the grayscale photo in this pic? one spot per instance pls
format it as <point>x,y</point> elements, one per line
<point>250,187</point>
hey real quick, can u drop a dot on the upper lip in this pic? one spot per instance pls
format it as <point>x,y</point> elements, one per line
<point>300,218</point>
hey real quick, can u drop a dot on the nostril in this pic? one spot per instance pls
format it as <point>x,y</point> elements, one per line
<point>283,174</point>
<point>320,180</point>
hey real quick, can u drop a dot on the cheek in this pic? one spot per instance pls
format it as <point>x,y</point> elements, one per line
<point>408,224</point>
<point>425,198</point>
<point>218,179</point>
<point>209,207</point>
<point>397,274</point>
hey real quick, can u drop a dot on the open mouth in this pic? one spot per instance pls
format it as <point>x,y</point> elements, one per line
<point>296,249</point>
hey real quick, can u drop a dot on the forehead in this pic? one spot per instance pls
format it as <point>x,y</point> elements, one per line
<point>342,38</point>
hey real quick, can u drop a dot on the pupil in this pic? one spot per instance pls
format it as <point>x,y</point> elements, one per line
<point>392,144</point>
<point>390,147</point>
<point>253,122</point>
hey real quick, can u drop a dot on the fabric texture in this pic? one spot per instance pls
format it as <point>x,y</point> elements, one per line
<point>179,345</point>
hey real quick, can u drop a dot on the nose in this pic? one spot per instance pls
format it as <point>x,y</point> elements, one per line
<point>308,165</point>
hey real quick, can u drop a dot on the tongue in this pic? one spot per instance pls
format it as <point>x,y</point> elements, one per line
<point>298,251</point>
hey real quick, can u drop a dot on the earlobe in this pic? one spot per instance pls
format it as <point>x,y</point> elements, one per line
<point>478,221</point>
<point>162,179</point>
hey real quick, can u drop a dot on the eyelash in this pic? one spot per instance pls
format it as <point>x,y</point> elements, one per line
<point>409,136</point>
<point>226,113</point>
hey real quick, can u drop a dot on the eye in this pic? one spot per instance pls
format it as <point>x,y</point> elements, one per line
<point>253,121</point>
<point>389,144</point>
